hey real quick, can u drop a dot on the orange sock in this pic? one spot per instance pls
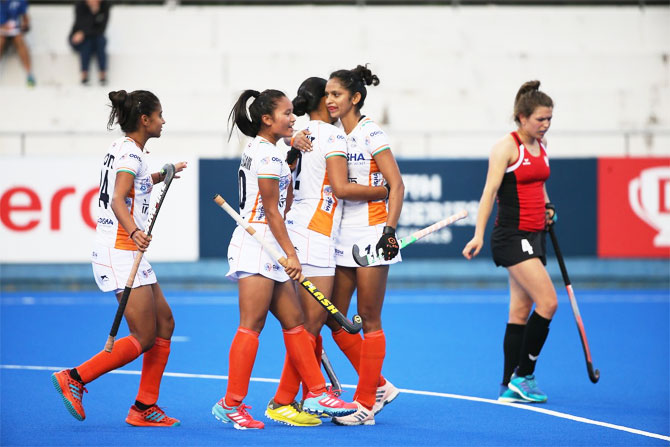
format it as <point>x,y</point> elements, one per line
<point>300,350</point>
<point>317,342</point>
<point>125,350</point>
<point>350,345</point>
<point>373,350</point>
<point>240,363</point>
<point>153,366</point>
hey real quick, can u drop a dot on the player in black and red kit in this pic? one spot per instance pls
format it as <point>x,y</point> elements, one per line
<point>518,169</point>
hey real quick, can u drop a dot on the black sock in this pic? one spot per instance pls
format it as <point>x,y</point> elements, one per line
<point>142,406</point>
<point>512,349</point>
<point>537,330</point>
<point>75,375</point>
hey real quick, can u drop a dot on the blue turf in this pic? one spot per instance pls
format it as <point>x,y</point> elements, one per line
<point>439,341</point>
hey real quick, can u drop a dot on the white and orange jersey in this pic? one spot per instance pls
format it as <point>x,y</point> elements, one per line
<point>315,207</point>
<point>123,156</point>
<point>364,142</point>
<point>261,159</point>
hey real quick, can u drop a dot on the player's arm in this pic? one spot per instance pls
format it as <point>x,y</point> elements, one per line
<point>502,154</point>
<point>336,166</point>
<point>389,169</point>
<point>269,190</point>
<point>124,182</point>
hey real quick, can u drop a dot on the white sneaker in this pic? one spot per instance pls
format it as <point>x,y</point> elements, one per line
<point>385,395</point>
<point>362,416</point>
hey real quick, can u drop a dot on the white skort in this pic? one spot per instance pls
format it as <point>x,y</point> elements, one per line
<point>365,238</point>
<point>247,257</point>
<point>316,252</point>
<point>111,269</point>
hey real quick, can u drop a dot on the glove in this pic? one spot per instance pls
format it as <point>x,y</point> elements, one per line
<point>388,243</point>
<point>554,217</point>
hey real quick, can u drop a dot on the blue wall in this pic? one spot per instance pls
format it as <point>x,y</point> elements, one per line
<point>435,189</point>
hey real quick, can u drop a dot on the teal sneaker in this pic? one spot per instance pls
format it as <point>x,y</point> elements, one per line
<point>527,388</point>
<point>507,395</point>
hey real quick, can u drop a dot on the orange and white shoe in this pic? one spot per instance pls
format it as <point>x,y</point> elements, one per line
<point>153,416</point>
<point>385,395</point>
<point>238,415</point>
<point>327,403</point>
<point>362,416</point>
<point>71,391</point>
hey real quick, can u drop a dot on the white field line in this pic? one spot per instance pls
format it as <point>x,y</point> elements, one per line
<point>527,407</point>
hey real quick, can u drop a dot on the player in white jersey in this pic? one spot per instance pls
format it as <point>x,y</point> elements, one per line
<point>370,225</point>
<point>265,193</point>
<point>319,185</point>
<point>123,211</point>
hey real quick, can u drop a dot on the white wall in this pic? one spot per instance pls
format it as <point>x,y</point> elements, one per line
<point>448,74</point>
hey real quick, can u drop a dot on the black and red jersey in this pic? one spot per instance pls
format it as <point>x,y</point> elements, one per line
<point>521,195</point>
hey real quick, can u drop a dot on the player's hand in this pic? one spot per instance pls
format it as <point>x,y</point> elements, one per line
<point>293,268</point>
<point>550,214</point>
<point>301,142</point>
<point>141,240</point>
<point>388,244</point>
<point>473,247</point>
<point>178,167</point>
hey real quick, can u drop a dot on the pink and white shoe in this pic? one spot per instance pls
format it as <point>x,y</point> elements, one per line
<point>327,403</point>
<point>238,415</point>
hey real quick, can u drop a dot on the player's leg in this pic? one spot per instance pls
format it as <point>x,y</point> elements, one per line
<point>140,317</point>
<point>300,347</point>
<point>255,295</point>
<point>533,278</point>
<point>520,307</point>
<point>145,412</point>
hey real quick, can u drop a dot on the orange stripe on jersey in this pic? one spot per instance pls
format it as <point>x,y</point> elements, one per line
<point>254,210</point>
<point>376,210</point>
<point>322,219</point>
<point>123,240</point>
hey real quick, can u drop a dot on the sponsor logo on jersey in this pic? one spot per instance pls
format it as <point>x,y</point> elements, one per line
<point>339,252</point>
<point>147,273</point>
<point>526,162</point>
<point>376,132</point>
<point>104,221</point>
<point>146,185</point>
<point>135,156</point>
<point>104,278</point>
<point>355,157</point>
<point>270,267</point>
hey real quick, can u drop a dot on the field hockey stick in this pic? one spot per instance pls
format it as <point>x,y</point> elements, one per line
<point>167,171</point>
<point>594,375</point>
<point>368,259</point>
<point>352,328</point>
<point>334,381</point>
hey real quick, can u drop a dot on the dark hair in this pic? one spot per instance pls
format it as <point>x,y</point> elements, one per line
<point>309,96</point>
<point>264,103</point>
<point>127,108</point>
<point>528,98</point>
<point>355,81</point>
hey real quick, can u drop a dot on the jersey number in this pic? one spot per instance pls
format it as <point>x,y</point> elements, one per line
<point>243,188</point>
<point>104,196</point>
<point>525,246</point>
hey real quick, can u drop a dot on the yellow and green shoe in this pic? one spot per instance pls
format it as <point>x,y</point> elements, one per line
<point>291,414</point>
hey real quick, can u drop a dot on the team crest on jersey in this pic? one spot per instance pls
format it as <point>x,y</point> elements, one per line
<point>145,184</point>
<point>283,182</point>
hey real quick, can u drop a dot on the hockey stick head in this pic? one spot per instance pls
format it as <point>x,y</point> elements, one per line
<point>167,172</point>
<point>593,375</point>
<point>363,259</point>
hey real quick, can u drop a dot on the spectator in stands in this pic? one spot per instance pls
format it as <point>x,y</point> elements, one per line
<point>88,36</point>
<point>14,23</point>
